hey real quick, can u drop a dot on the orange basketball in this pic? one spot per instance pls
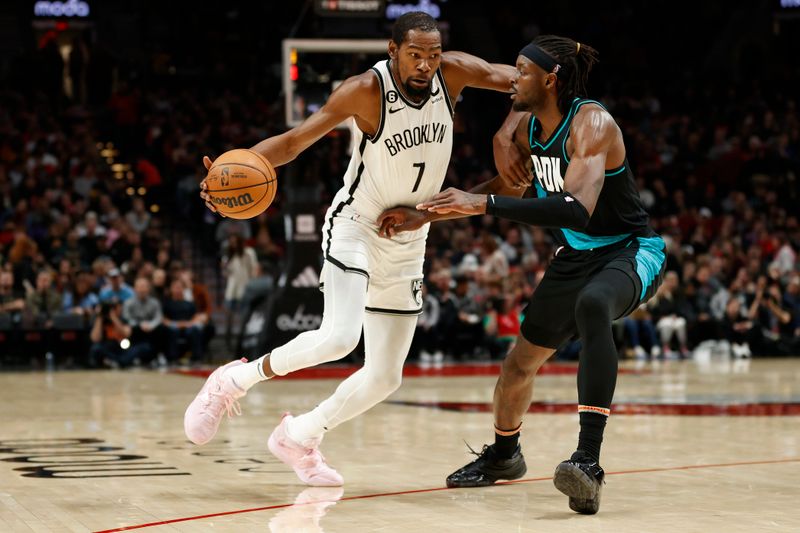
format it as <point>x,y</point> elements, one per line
<point>241,184</point>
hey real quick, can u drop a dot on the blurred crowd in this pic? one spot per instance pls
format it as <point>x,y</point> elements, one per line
<point>90,246</point>
<point>88,272</point>
<point>720,183</point>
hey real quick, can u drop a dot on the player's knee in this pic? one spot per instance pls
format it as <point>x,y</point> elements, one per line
<point>519,368</point>
<point>592,306</point>
<point>342,343</point>
<point>383,384</point>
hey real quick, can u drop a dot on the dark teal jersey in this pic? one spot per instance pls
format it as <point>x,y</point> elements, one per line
<point>619,212</point>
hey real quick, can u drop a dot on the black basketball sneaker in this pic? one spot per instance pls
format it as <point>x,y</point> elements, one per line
<point>488,468</point>
<point>580,478</point>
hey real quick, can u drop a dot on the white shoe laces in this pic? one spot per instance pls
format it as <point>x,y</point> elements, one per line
<point>230,404</point>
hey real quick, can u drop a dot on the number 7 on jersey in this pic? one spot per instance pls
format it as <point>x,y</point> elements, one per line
<point>421,167</point>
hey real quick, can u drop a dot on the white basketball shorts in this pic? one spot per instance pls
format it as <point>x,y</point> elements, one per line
<point>392,266</point>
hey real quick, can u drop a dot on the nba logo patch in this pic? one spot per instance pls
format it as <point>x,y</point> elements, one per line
<point>416,291</point>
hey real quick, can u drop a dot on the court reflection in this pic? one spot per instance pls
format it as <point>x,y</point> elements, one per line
<point>308,509</point>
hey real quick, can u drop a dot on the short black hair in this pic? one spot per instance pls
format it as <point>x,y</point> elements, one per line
<point>415,20</point>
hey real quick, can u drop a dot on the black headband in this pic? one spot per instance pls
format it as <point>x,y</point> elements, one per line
<point>540,57</point>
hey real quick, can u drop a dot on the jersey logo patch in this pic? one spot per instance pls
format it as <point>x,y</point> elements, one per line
<point>395,109</point>
<point>391,97</point>
<point>416,291</point>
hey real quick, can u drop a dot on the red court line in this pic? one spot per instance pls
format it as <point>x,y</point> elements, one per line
<point>414,370</point>
<point>437,489</point>
<point>663,409</point>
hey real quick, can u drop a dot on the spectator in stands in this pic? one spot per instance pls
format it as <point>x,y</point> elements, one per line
<point>738,329</point>
<point>11,302</point>
<point>199,295</point>
<point>502,323</point>
<point>670,312</point>
<point>639,325</point>
<point>791,302</point>
<point>769,315</point>
<point>110,338</point>
<point>91,228</point>
<point>240,266</point>
<point>159,288</point>
<point>21,256</point>
<point>467,336</point>
<point>116,289</point>
<point>700,292</point>
<point>493,262</point>
<point>138,218</point>
<point>183,323</point>
<point>44,301</point>
<point>143,314</point>
<point>81,299</point>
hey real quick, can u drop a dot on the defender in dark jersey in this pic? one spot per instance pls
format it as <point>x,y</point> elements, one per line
<point>608,259</point>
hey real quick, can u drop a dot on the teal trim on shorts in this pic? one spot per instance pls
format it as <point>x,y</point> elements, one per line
<point>649,259</point>
<point>582,241</point>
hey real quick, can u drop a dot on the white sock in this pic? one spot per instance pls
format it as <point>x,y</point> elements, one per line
<point>306,426</point>
<point>248,374</point>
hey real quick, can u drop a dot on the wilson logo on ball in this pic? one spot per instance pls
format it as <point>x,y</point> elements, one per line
<point>234,201</point>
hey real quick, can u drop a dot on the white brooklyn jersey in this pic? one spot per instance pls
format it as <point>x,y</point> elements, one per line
<point>405,162</point>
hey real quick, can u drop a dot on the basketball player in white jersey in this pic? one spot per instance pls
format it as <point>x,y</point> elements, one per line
<point>402,110</point>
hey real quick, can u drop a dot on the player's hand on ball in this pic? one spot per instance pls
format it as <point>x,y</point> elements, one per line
<point>453,200</point>
<point>399,219</point>
<point>207,162</point>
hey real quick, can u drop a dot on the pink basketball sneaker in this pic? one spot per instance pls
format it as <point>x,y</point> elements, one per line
<point>219,394</point>
<point>304,458</point>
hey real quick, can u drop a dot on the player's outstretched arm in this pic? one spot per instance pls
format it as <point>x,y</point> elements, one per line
<point>461,70</point>
<point>594,133</point>
<point>350,99</point>
<point>401,218</point>
<point>465,70</point>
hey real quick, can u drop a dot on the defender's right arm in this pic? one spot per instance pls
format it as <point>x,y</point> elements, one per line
<point>399,219</point>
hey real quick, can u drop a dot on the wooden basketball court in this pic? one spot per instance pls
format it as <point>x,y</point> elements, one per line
<point>692,447</point>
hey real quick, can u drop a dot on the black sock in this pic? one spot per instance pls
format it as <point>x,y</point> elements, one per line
<point>591,435</point>
<point>506,445</point>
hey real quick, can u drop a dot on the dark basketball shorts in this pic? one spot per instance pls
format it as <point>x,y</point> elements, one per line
<point>550,315</point>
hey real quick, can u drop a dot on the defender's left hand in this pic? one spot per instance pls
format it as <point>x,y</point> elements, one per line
<point>455,201</point>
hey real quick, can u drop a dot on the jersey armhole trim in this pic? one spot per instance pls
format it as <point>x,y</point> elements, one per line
<point>530,130</point>
<point>448,101</point>
<point>374,138</point>
<point>608,173</point>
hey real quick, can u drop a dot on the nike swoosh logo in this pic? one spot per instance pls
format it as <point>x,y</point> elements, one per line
<point>435,93</point>
<point>395,110</point>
